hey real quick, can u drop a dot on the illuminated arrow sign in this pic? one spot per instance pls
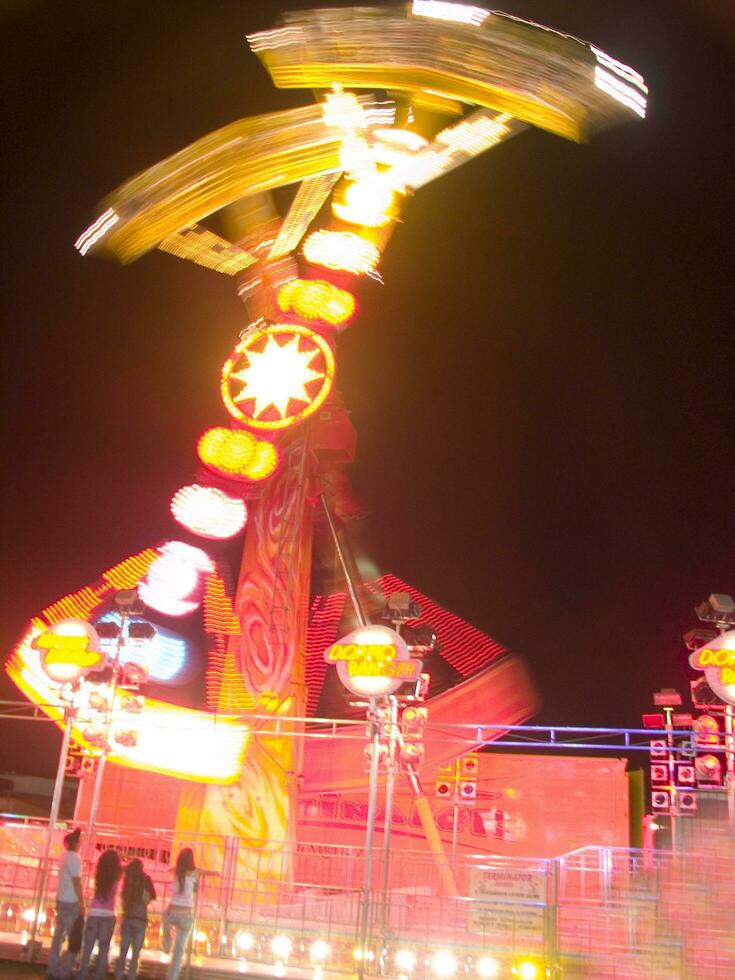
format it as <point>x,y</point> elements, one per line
<point>69,649</point>
<point>373,661</point>
<point>717,660</point>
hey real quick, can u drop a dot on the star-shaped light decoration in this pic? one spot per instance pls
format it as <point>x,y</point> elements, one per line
<point>278,376</point>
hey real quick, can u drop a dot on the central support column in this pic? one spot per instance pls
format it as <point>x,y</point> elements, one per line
<point>268,659</point>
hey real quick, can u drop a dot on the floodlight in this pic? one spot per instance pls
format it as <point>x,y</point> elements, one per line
<point>703,697</point>
<point>420,639</point>
<point>108,630</point>
<point>128,739</point>
<point>660,799</point>
<point>405,960</point>
<point>653,721</point>
<point>244,941</point>
<point>319,950</point>
<point>128,603</point>
<point>133,674</point>
<point>134,704</point>
<point>413,722</point>
<point>698,637</point>
<point>687,801</point>
<point>527,970</point>
<point>707,729</point>
<point>667,697</point>
<point>722,603</point>
<point>684,774</point>
<point>281,947</point>
<point>488,967</point>
<point>141,630</point>
<point>719,609</point>
<point>444,964</point>
<point>709,770</point>
<point>682,719</point>
<point>660,773</point>
<point>97,701</point>
<point>399,607</point>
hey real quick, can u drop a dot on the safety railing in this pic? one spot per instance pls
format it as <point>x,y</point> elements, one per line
<point>598,911</point>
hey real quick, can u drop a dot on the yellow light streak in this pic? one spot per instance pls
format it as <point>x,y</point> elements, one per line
<point>238,453</point>
<point>176,741</point>
<point>393,146</point>
<point>310,196</point>
<point>315,299</point>
<point>501,62</point>
<point>343,250</point>
<point>203,247</point>
<point>459,13</point>
<point>243,158</point>
<point>342,110</point>
<point>368,201</point>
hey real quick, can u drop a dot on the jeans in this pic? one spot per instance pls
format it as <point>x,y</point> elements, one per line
<point>97,929</point>
<point>182,921</point>
<point>132,934</point>
<point>61,965</point>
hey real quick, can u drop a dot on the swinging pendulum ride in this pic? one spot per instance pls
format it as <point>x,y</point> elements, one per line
<point>459,81</point>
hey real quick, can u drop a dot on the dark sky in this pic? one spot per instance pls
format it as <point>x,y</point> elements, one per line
<point>542,388</point>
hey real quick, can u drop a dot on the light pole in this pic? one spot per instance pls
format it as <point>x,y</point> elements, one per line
<point>67,651</point>
<point>390,780</point>
<point>127,605</point>
<point>69,716</point>
<point>374,727</point>
<point>719,671</point>
<point>668,699</point>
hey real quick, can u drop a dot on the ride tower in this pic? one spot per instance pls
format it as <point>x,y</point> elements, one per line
<point>405,94</point>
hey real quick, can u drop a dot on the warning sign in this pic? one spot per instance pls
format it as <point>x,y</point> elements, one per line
<point>507,900</point>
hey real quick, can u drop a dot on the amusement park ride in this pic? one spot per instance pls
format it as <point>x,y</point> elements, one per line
<point>405,94</point>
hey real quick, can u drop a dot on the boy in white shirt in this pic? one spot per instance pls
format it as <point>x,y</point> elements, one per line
<point>69,905</point>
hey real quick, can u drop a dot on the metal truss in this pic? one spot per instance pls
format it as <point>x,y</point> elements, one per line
<point>503,736</point>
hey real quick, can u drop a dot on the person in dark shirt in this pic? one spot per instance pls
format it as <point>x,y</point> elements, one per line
<point>137,893</point>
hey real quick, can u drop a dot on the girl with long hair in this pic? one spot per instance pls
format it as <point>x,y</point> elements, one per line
<point>179,916</point>
<point>137,893</point>
<point>100,923</point>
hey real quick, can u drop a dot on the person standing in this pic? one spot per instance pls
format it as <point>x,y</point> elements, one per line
<point>100,923</point>
<point>69,906</point>
<point>179,915</point>
<point>137,893</point>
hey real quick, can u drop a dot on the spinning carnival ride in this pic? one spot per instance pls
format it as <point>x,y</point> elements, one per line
<point>407,93</point>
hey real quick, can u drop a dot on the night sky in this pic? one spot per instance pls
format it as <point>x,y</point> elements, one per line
<point>542,388</point>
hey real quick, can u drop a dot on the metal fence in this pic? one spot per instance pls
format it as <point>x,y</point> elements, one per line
<point>597,912</point>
